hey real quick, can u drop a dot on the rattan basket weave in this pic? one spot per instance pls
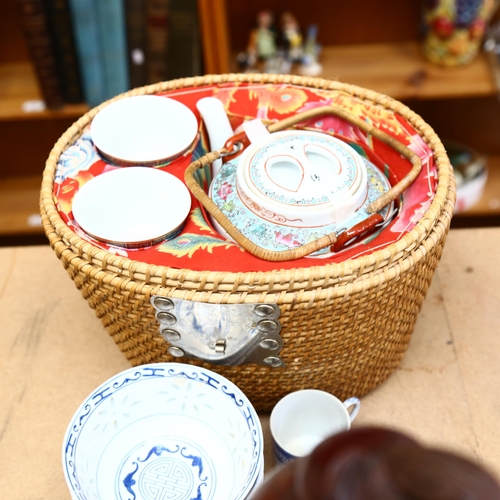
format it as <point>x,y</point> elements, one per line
<point>346,326</point>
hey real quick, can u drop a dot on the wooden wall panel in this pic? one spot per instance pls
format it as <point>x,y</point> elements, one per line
<point>25,145</point>
<point>12,45</point>
<point>474,122</point>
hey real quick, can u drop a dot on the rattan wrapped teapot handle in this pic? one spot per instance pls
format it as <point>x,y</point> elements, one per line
<point>324,241</point>
<point>396,190</point>
<point>242,240</point>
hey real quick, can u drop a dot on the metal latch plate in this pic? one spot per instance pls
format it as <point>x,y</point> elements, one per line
<point>221,334</point>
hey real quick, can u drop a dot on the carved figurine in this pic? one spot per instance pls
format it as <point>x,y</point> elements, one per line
<point>262,42</point>
<point>278,55</point>
<point>310,65</point>
<point>292,37</point>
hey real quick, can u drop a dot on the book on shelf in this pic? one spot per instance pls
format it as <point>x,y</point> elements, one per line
<point>86,29</point>
<point>157,39</point>
<point>100,36</point>
<point>113,38</point>
<point>184,54</point>
<point>60,25</point>
<point>37,33</point>
<point>135,14</point>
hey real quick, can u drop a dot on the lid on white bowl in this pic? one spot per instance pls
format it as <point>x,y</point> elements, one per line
<point>132,207</point>
<point>309,178</point>
<point>145,129</point>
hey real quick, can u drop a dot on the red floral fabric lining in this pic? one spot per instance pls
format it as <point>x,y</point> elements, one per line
<point>199,247</point>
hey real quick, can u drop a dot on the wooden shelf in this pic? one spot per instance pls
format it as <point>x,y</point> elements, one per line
<point>18,84</point>
<point>19,201</point>
<point>19,208</point>
<point>399,70</point>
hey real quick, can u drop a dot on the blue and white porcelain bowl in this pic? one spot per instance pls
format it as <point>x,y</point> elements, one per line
<point>164,431</point>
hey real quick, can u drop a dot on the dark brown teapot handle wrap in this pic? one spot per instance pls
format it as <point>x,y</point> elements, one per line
<point>328,240</point>
<point>361,228</point>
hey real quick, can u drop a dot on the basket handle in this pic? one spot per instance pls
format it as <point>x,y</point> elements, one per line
<point>331,238</point>
<point>241,239</point>
<point>393,193</point>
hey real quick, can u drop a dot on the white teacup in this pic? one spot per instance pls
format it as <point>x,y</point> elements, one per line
<point>303,419</point>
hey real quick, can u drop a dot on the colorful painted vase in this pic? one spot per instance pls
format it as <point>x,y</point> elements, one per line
<point>454,29</point>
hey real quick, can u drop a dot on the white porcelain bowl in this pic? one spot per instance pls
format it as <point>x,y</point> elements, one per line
<point>165,430</point>
<point>471,173</point>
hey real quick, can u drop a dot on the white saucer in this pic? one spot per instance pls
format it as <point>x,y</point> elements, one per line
<point>132,206</point>
<point>144,129</point>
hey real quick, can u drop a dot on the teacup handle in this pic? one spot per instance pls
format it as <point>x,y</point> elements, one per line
<point>355,403</point>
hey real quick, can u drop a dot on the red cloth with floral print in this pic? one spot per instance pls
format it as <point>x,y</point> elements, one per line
<point>199,247</point>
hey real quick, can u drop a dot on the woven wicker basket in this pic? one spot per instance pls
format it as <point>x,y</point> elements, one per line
<point>346,326</point>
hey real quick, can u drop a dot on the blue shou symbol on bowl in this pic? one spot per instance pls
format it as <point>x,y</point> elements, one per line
<point>165,476</point>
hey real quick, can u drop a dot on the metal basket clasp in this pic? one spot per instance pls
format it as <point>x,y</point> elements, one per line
<point>221,334</point>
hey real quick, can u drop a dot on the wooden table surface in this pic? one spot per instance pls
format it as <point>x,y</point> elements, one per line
<point>55,352</point>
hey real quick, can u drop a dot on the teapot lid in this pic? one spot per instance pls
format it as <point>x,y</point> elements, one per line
<point>310,178</point>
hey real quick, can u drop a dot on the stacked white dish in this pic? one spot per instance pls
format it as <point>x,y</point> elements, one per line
<point>136,207</point>
<point>165,430</point>
<point>145,130</point>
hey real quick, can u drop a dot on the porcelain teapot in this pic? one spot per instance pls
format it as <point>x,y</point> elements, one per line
<point>292,187</point>
<point>294,193</point>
